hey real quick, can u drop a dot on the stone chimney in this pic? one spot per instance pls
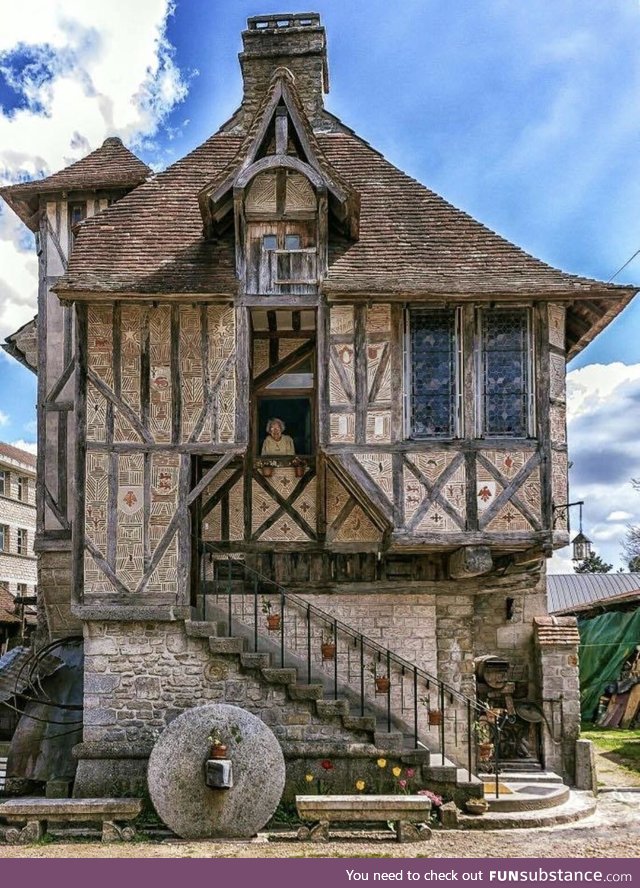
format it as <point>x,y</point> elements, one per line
<point>294,41</point>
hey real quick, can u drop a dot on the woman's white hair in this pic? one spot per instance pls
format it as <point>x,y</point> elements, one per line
<point>271,421</point>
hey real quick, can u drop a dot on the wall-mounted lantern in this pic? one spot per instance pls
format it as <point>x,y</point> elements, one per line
<point>581,544</point>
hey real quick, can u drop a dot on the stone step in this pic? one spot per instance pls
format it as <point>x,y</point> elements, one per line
<point>516,797</point>
<point>359,722</point>
<point>226,645</point>
<point>440,768</point>
<point>416,757</point>
<point>255,660</point>
<point>280,676</point>
<point>508,776</point>
<point>332,708</point>
<point>203,628</point>
<point>577,806</point>
<point>306,692</point>
<point>389,741</point>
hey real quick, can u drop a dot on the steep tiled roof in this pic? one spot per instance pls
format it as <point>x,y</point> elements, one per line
<point>110,166</point>
<point>17,454</point>
<point>7,607</point>
<point>411,240</point>
<point>151,240</point>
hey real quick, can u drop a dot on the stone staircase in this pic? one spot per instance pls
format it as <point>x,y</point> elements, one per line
<point>363,738</point>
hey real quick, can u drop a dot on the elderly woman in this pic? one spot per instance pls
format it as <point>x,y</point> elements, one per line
<point>277,443</point>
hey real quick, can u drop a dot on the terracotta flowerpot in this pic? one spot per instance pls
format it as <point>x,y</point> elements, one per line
<point>273,622</point>
<point>299,471</point>
<point>328,651</point>
<point>218,751</point>
<point>382,684</point>
<point>485,752</point>
<point>267,471</point>
<point>435,717</point>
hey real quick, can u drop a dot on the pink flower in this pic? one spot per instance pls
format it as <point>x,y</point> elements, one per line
<point>436,800</point>
<point>402,783</point>
<point>410,772</point>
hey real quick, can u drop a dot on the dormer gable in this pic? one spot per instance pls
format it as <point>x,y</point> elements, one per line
<point>281,178</point>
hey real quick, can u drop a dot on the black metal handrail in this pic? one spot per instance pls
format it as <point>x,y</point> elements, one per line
<point>383,660</point>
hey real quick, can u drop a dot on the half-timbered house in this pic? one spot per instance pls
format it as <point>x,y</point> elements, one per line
<point>284,381</point>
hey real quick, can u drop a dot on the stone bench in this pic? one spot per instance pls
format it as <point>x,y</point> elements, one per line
<point>37,812</point>
<point>404,811</point>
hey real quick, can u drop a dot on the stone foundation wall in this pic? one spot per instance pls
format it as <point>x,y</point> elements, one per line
<point>140,676</point>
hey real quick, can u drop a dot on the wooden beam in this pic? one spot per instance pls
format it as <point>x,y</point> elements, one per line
<point>212,473</point>
<point>123,407</point>
<point>80,434</point>
<point>360,361</point>
<point>277,369</point>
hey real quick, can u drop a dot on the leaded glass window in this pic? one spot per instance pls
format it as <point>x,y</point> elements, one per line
<point>433,373</point>
<point>505,372</point>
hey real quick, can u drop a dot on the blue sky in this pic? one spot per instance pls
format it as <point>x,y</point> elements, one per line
<point>526,115</point>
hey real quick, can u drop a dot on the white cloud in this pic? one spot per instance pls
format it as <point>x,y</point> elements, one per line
<point>619,516</point>
<point>603,410</point>
<point>29,446</point>
<point>4,418</point>
<point>109,71</point>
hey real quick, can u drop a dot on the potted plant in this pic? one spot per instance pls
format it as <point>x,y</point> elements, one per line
<point>382,682</point>
<point>328,646</point>
<point>299,466</point>
<point>273,620</point>
<point>434,716</point>
<point>484,739</point>
<point>218,748</point>
<point>268,466</point>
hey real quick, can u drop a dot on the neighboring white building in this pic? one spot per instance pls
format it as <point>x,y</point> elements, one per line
<point>17,521</point>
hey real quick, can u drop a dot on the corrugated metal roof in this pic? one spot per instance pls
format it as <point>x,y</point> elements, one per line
<point>16,671</point>
<point>569,593</point>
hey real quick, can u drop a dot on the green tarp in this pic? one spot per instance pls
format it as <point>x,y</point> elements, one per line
<point>606,642</point>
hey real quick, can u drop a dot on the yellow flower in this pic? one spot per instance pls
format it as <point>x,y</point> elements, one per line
<point>382,763</point>
<point>309,778</point>
<point>360,785</point>
<point>396,771</point>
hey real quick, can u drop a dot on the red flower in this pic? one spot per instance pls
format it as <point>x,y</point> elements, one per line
<point>326,764</point>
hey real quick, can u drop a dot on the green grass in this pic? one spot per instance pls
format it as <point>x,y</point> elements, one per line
<point>616,744</point>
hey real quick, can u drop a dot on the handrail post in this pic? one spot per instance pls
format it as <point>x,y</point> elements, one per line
<point>389,691</point>
<point>415,707</point>
<point>442,721</point>
<point>496,755</point>
<point>255,613</point>
<point>335,659</point>
<point>281,628</point>
<point>361,675</point>
<point>229,615</point>
<point>469,739</point>
<point>308,644</point>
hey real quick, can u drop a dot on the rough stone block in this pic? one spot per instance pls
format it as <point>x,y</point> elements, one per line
<point>586,775</point>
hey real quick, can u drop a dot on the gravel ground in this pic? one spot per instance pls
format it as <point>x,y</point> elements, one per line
<point>613,831</point>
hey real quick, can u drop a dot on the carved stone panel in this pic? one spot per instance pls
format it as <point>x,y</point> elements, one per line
<point>556,325</point>
<point>557,384</point>
<point>130,519</point>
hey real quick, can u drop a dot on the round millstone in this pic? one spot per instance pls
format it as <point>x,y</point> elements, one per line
<point>176,774</point>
